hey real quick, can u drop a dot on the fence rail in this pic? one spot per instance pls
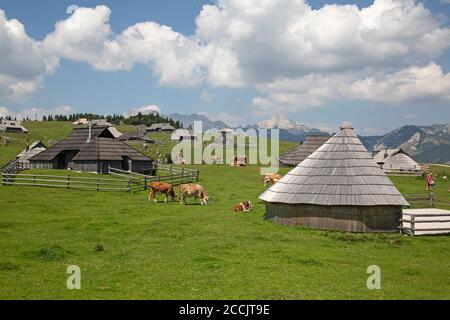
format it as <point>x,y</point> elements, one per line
<point>428,199</point>
<point>67,182</point>
<point>164,173</point>
<point>119,180</point>
<point>412,229</point>
<point>13,166</point>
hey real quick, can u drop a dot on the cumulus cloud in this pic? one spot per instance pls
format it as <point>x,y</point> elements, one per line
<point>143,110</point>
<point>409,85</point>
<point>295,55</point>
<point>23,62</point>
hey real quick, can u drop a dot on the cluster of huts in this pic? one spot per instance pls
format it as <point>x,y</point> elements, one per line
<point>338,186</point>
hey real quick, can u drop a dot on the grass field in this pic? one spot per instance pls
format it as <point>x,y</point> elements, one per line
<point>163,251</point>
<point>128,248</point>
<point>53,131</point>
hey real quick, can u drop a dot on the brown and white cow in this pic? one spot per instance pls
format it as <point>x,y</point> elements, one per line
<point>160,187</point>
<point>193,190</point>
<point>271,179</point>
<point>245,206</point>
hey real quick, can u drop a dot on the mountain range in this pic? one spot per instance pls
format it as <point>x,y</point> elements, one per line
<point>426,144</point>
<point>188,121</point>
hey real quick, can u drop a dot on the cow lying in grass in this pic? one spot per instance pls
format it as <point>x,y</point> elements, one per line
<point>243,207</point>
<point>193,190</point>
<point>271,179</point>
<point>164,188</point>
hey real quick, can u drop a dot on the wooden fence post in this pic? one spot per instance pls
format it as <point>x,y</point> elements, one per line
<point>413,225</point>
<point>129,185</point>
<point>182,175</point>
<point>432,199</point>
<point>34,180</point>
<point>68,182</point>
<point>198,175</point>
<point>98,184</point>
<point>145,184</point>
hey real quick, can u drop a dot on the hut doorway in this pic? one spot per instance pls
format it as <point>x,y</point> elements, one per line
<point>126,163</point>
<point>64,158</point>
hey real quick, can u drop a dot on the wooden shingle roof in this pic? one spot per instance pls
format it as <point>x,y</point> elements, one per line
<point>107,149</point>
<point>341,172</point>
<point>311,144</point>
<point>75,141</point>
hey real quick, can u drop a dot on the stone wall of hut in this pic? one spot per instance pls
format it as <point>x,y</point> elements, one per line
<point>340,218</point>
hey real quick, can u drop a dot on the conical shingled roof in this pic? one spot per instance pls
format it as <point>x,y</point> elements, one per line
<point>311,144</point>
<point>340,173</point>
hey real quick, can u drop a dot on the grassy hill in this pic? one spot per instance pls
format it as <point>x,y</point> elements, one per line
<point>163,251</point>
<point>128,248</point>
<point>52,131</point>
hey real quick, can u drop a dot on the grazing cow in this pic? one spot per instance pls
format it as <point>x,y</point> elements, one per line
<point>164,188</point>
<point>271,179</point>
<point>193,190</point>
<point>243,207</point>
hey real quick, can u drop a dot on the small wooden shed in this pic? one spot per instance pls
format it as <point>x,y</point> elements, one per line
<point>338,187</point>
<point>311,144</point>
<point>396,160</point>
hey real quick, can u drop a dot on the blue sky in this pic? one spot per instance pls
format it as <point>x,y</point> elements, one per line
<point>84,84</point>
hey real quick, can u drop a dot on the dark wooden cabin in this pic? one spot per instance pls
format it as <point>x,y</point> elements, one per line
<point>94,152</point>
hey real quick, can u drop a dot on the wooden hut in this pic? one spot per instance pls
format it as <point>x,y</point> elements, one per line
<point>12,126</point>
<point>136,137</point>
<point>338,187</point>
<point>396,160</point>
<point>33,149</point>
<point>92,149</point>
<point>311,144</point>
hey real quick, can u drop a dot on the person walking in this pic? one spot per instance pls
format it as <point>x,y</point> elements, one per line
<point>430,181</point>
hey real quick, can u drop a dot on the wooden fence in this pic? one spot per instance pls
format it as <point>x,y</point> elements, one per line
<point>13,166</point>
<point>429,199</point>
<point>66,182</point>
<point>164,173</point>
<point>412,229</point>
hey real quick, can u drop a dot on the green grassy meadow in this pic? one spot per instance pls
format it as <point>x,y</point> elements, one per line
<point>129,248</point>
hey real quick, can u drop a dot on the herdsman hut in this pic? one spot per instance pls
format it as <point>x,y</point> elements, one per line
<point>311,144</point>
<point>396,160</point>
<point>338,187</point>
<point>94,150</point>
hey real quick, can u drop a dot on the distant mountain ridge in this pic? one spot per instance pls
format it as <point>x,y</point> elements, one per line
<point>426,144</point>
<point>188,120</point>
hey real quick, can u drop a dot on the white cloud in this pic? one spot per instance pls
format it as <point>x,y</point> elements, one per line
<point>23,63</point>
<point>36,112</point>
<point>413,84</point>
<point>5,112</point>
<point>294,55</point>
<point>143,110</point>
